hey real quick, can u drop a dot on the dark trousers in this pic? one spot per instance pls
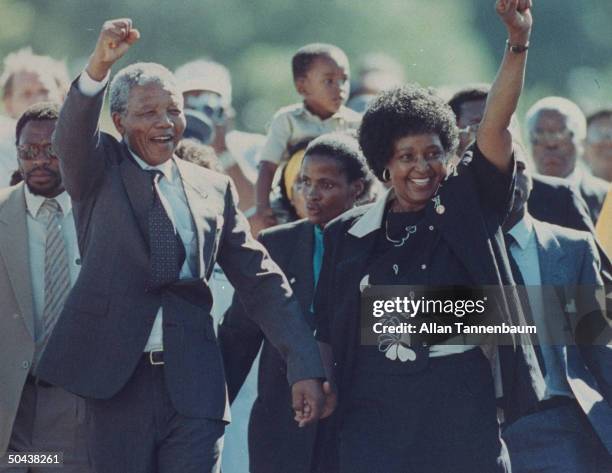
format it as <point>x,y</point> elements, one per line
<point>439,420</point>
<point>139,431</point>
<point>559,440</point>
<point>50,420</point>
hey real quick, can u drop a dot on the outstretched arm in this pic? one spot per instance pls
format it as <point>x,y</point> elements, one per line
<point>77,136</point>
<point>493,137</point>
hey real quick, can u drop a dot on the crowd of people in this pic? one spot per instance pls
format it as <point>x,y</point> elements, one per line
<point>120,251</point>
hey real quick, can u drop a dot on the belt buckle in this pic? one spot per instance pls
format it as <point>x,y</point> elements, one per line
<point>152,361</point>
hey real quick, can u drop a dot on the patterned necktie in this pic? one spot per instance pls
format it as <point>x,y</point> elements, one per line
<point>57,271</point>
<point>167,250</point>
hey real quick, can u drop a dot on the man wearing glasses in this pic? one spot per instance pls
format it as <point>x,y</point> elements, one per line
<point>557,132</point>
<point>39,262</point>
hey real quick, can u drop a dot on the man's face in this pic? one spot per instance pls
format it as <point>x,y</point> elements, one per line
<point>470,116</point>
<point>39,167</point>
<point>29,88</point>
<point>553,145</point>
<point>598,147</point>
<point>326,85</point>
<point>153,123</point>
<point>524,184</point>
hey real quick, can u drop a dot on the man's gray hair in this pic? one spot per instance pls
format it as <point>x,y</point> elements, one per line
<point>140,73</point>
<point>576,121</point>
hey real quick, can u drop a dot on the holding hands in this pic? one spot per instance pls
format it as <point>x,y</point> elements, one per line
<point>115,39</point>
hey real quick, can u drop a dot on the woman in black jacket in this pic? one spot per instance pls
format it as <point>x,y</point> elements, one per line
<point>404,406</point>
<point>334,176</point>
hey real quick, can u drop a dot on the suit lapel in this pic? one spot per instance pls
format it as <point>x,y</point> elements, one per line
<point>137,184</point>
<point>204,221</point>
<point>299,265</point>
<point>14,251</point>
<point>550,256</point>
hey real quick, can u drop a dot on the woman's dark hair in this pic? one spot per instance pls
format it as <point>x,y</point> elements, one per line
<point>344,149</point>
<point>404,111</point>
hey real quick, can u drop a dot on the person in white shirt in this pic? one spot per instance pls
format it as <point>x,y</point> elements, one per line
<point>39,262</point>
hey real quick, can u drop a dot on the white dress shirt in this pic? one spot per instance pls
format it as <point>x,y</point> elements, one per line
<point>525,252</point>
<point>174,200</point>
<point>37,234</point>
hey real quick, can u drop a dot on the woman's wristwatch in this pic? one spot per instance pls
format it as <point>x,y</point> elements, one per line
<point>517,48</point>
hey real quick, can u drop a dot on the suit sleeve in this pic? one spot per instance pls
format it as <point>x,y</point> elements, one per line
<point>495,188</point>
<point>78,144</point>
<point>267,295</point>
<point>240,339</point>
<point>597,357</point>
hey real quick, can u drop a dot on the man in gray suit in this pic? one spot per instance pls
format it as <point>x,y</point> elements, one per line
<point>39,261</point>
<point>136,338</point>
<point>571,429</point>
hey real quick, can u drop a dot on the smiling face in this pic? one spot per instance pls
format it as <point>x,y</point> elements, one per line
<point>553,146</point>
<point>417,167</point>
<point>326,188</point>
<point>41,174</point>
<point>326,85</point>
<point>153,122</point>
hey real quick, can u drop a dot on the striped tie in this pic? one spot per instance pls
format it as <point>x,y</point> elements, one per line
<point>57,273</point>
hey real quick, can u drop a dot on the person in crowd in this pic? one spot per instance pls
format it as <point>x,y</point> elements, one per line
<point>571,429</point>
<point>196,152</point>
<point>376,73</point>
<point>39,262</point>
<point>135,338</point>
<point>321,76</point>
<point>552,199</point>
<point>598,144</point>
<point>557,130</point>
<point>334,176</point>
<point>207,89</point>
<point>26,79</point>
<point>602,230</point>
<point>409,406</point>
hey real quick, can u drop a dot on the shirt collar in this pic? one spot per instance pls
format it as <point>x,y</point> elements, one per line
<point>522,231</point>
<point>372,219</point>
<point>34,202</point>
<point>167,168</point>
<point>340,114</point>
<point>576,175</point>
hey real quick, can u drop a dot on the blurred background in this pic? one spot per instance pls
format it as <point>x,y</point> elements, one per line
<point>436,42</point>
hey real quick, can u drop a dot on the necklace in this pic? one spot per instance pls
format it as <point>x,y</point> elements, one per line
<point>410,229</point>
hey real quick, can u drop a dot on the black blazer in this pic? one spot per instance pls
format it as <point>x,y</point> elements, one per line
<point>594,191</point>
<point>276,444</point>
<point>102,331</point>
<point>476,201</point>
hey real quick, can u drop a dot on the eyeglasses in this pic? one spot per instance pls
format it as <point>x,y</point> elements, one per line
<point>31,152</point>
<point>541,137</point>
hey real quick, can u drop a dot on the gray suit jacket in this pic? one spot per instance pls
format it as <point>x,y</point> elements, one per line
<point>16,309</point>
<point>569,259</point>
<point>108,316</point>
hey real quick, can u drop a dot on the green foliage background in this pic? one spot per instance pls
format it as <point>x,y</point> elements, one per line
<point>439,42</point>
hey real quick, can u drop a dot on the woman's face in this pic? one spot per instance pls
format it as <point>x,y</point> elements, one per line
<point>417,167</point>
<point>326,189</point>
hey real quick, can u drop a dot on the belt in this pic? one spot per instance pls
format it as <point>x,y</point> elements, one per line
<point>36,381</point>
<point>155,357</point>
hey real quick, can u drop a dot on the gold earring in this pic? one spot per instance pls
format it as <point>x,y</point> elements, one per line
<point>386,175</point>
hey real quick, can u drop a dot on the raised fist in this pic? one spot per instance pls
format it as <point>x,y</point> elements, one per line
<point>115,39</point>
<point>516,15</point>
